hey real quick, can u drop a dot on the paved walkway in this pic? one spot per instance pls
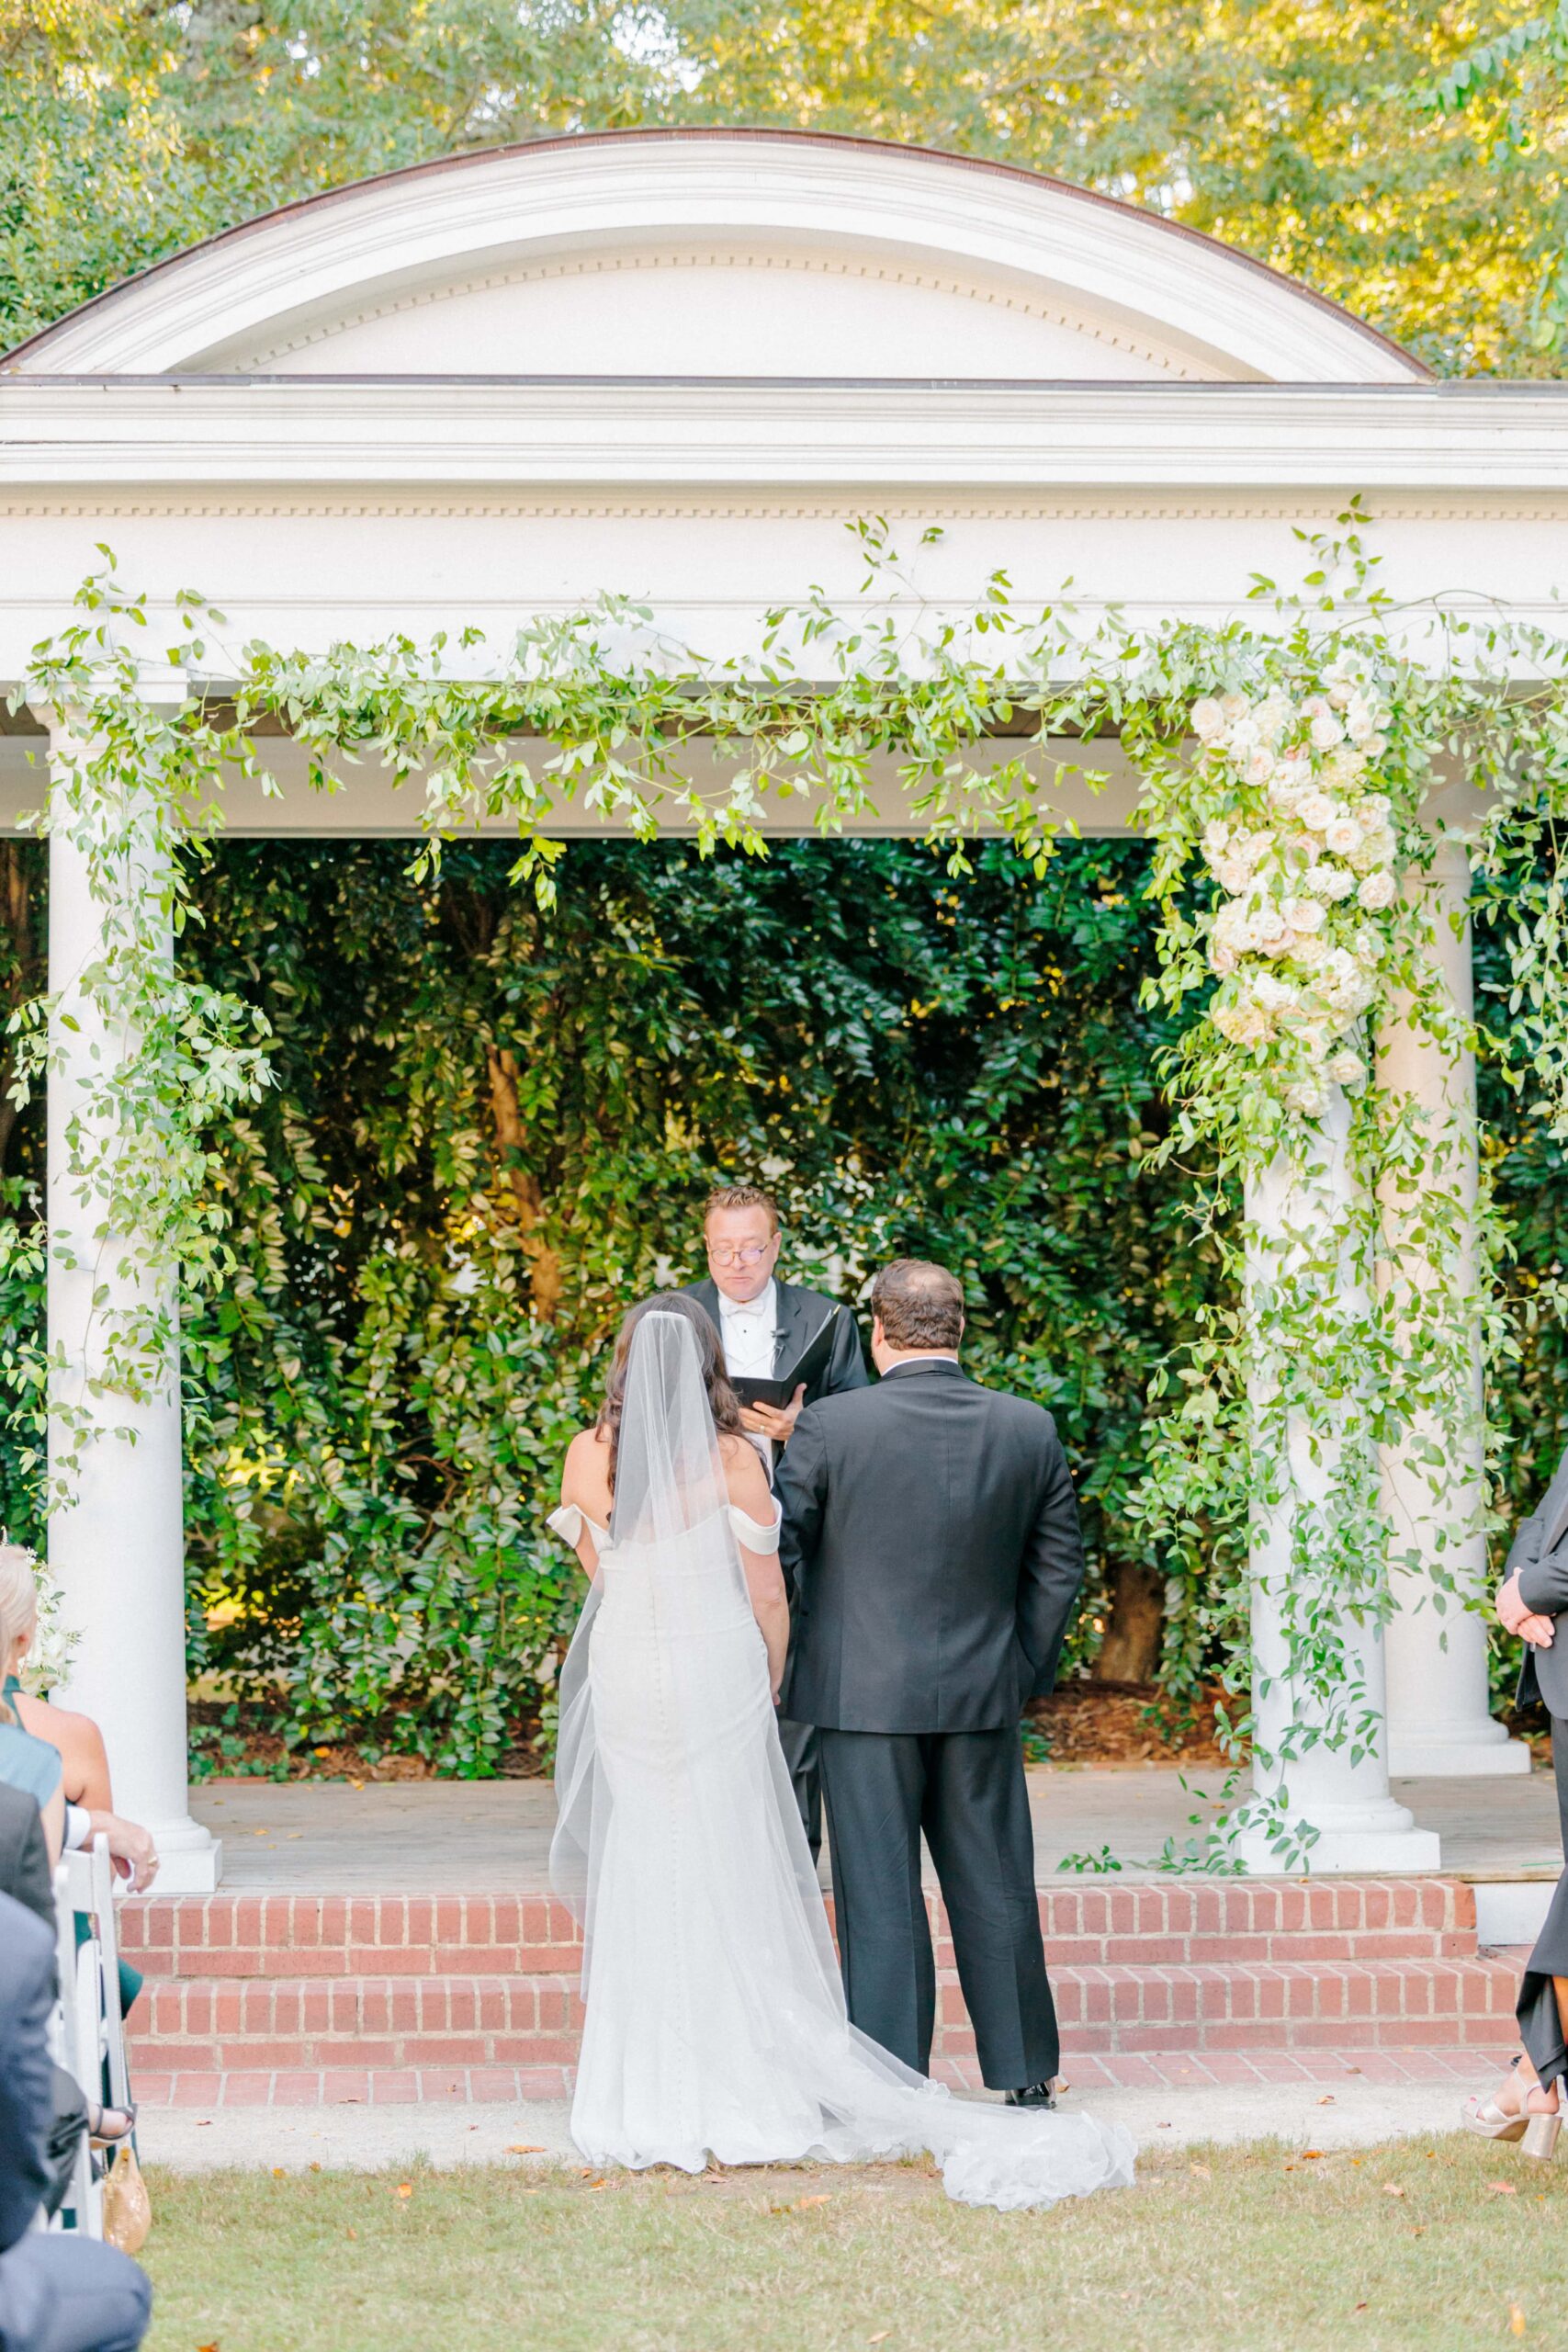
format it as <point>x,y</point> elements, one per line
<point>449,1836</point>
<point>1336,2103</point>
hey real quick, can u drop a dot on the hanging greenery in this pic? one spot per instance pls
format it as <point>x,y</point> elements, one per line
<point>1282,770</point>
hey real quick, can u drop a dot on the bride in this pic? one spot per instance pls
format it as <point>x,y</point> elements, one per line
<point>715,2021</point>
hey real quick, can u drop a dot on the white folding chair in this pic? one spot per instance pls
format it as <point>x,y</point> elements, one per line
<point>80,2054</point>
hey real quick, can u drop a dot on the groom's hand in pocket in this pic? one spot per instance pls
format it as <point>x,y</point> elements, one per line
<point>776,1421</point>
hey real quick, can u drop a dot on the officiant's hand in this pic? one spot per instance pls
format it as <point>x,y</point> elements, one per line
<point>776,1421</point>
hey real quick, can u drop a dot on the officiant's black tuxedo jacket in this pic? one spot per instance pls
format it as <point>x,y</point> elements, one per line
<point>931,1542</point>
<point>800,1313</point>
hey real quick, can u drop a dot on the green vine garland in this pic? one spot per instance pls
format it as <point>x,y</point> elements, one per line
<point>1284,771</point>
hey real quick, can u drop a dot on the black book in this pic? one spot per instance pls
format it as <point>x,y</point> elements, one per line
<point>808,1365</point>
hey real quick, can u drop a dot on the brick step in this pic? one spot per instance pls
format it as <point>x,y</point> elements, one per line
<point>219,2025</point>
<point>1164,1923</point>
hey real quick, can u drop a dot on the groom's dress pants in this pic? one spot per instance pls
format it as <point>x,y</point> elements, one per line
<point>803,1757</point>
<point>966,1791</point>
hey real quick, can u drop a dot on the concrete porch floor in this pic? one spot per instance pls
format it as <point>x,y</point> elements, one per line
<point>455,1836</point>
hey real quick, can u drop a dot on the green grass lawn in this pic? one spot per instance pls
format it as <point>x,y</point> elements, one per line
<point>1258,2249</point>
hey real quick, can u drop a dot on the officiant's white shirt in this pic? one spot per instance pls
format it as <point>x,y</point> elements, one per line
<point>750,1329</point>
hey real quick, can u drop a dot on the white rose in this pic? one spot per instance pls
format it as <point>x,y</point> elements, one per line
<point>1379,805</point>
<point>1304,914</point>
<point>1208,719</point>
<point>1284,791</point>
<point>1259,765</point>
<point>1222,959</point>
<point>1307,950</point>
<point>1326,731</point>
<point>1231,927</point>
<point>1266,927</point>
<point>1342,833</point>
<point>1306,1095</point>
<point>1316,810</point>
<point>1234,706</point>
<point>1274,715</point>
<point>1343,769</point>
<point>1216,835</point>
<point>1346,1068</point>
<point>1375,746</point>
<point>1360,720</point>
<point>1273,995</point>
<point>1382,844</point>
<point>1239,1020</point>
<point>1232,874</point>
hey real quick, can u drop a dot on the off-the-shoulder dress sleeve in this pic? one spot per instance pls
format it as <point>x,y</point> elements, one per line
<point>756,1537</point>
<point>568,1523</point>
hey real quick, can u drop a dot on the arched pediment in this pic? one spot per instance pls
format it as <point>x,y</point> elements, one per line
<point>717,254</point>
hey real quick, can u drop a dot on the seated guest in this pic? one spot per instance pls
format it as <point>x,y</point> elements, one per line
<point>75,1739</point>
<point>34,1770</point>
<point>23,1856</point>
<point>1533,1604</point>
<point>57,2293</point>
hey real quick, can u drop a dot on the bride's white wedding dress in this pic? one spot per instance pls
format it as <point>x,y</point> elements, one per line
<point>715,2021</point>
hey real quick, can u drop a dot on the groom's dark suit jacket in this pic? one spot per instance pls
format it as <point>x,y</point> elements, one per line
<point>1539,1557</point>
<point>931,1538</point>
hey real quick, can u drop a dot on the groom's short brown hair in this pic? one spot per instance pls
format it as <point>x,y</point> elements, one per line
<point>918,1305</point>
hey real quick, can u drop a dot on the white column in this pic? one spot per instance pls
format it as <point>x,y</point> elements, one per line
<point>117,1545</point>
<point>1439,1719</point>
<point>1341,1791</point>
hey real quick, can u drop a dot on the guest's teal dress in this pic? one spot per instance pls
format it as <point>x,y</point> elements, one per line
<point>34,1766</point>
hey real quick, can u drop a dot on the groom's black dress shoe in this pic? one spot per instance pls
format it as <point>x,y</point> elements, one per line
<point>1033,2095</point>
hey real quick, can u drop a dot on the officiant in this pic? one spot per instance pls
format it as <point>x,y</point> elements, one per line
<point>766,1325</point>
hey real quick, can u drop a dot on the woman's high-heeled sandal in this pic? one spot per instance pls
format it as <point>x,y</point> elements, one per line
<point>125,2120</point>
<point>1540,2134</point>
<point>1490,2121</point>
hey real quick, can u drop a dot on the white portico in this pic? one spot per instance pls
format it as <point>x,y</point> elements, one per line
<point>677,366</point>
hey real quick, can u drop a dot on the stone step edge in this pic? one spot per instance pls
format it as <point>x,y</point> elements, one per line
<point>1087,2071</point>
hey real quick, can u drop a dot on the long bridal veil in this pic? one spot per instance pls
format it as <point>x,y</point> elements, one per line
<point>716,2019</point>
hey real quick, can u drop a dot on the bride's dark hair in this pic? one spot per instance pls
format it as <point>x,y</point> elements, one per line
<point>724,1403</point>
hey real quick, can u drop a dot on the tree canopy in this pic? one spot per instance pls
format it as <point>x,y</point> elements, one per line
<point>1322,139</point>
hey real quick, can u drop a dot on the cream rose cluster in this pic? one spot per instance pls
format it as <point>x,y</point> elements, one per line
<point>1306,854</point>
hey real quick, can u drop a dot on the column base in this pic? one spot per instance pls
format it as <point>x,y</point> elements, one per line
<point>1348,1853</point>
<point>190,1860</point>
<point>1379,1839</point>
<point>1456,1755</point>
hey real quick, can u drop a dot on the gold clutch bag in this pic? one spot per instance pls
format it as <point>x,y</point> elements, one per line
<point>127,2210</point>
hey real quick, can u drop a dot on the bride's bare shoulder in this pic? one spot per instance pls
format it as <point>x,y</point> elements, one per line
<point>743,1473</point>
<point>585,1474</point>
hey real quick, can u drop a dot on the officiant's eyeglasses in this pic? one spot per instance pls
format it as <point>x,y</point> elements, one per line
<point>746,1253</point>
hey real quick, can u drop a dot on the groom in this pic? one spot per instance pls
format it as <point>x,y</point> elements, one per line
<point>931,1536</point>
<point>763,1325</point>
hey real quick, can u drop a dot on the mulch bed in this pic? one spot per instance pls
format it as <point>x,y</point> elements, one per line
<point>1084,1723</point>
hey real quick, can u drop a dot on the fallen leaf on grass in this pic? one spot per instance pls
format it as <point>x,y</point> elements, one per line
<point>882,2338</point>
<point>1502,2189</point>
<point>519,2147</point>
<point>1202,2171</point>
<point>1391,2188</point>
<point>315,2168</point>
<point>278,2171</point>
<point>205,2125</point>
<point>405,2188</point>
<point>1363,2307</point>
<point>802,2202</point>
<point>1516,2320</point>
<point>1327,2100</point>
<point>351,2233</point>
<point>1311,2156</point>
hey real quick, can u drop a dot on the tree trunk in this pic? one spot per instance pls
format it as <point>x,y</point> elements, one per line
<point>1130,1652</point>
<point>544,1264</point>
<point>16,896</point>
